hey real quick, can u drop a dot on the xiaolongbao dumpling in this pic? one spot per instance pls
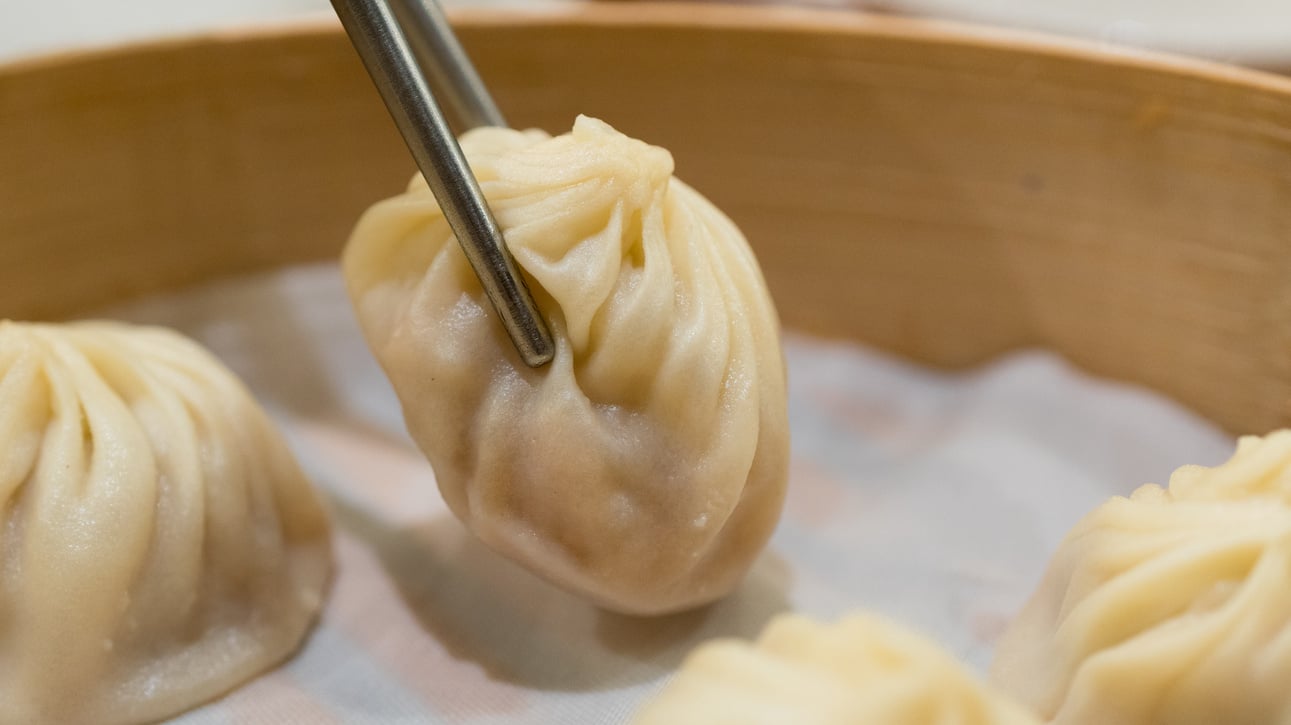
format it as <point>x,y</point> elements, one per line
<point>645,466</point>
<point>158,543</point>
<point>861,670</point>
<point>1172,606</point>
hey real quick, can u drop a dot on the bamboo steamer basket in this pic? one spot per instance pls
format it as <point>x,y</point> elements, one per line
<point>943,192</point>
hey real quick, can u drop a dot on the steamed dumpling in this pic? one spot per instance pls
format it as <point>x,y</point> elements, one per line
<point>860,670</point>
<point>645,466</point>
<point>1171,607</point>
<point>158,543</point>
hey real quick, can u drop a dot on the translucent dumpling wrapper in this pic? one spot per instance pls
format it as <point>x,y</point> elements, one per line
<point>159,544</point>
<point>1172,606</point>
<point>645,466</point>
<point>861,670</point>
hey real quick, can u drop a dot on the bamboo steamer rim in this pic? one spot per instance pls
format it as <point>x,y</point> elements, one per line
<point>644,15</point>
<point>1200,332</point>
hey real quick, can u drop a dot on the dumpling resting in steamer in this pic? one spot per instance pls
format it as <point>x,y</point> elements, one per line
<point>860,670</point>
<point>1259,469</point>
<point>158,543</point>
<point>645,466</point>
<point>1171,607</point>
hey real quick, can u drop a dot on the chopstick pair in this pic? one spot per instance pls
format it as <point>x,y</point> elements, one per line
<point>402,44</point>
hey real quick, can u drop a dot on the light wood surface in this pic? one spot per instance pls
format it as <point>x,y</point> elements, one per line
<point>942,192</point>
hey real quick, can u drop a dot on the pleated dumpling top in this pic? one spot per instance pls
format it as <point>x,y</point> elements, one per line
<point>1171,606</point>
<point>158,542</point>
<point>862,670</point>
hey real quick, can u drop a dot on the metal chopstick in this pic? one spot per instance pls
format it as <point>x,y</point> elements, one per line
<point>442,58</point>
<point>390,62</point>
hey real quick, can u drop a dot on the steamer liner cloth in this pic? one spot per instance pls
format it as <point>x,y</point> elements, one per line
<point>933,498</point>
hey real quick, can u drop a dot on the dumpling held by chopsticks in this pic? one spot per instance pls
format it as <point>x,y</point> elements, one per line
<point>645,466</point>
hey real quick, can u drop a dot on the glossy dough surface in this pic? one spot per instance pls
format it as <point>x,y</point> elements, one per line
<point>645,466</point>
<point>860,670</point>
<point>159,543</point>
<point>1172,606</point>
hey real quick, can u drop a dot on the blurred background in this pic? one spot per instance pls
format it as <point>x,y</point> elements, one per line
<point>1248,32</point>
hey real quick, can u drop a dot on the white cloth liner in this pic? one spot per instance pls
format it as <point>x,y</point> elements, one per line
<point>934,498</point>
